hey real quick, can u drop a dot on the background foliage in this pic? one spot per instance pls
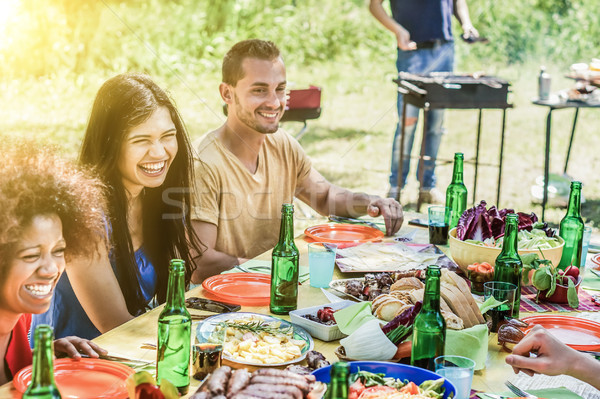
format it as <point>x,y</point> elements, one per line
<point>55,54</point>
<point>104,35</point>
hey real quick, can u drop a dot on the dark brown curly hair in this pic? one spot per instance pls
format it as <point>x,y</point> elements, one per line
<point>36,181</point>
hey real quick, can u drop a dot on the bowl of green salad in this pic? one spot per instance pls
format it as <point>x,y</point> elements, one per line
<point>480,234</point>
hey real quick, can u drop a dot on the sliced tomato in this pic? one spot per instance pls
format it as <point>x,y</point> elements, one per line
<point>410,388</point>
<point>355,389</point>
<point>378,389</point>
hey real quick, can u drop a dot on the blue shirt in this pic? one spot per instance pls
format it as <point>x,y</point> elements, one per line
<point>66,315</point>
<point>425,20</point>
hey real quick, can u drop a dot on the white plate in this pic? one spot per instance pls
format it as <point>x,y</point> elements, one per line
<point>206,328</point>
<point>321,331</point>
<point>340,286</point>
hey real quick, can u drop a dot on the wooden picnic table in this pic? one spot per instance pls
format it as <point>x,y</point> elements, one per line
<point>127,340</point>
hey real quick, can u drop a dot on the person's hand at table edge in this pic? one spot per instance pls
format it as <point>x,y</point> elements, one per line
<point>552,357</point>
<point>390,210</point>
<point>74,347</point>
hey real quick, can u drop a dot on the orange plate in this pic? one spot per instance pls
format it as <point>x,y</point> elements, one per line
<point>85,378</point>
<point>578,333</point>
<point>338,233</point>
<point>249,289</point>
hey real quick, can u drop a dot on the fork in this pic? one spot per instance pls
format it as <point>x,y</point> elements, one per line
<point>518,391</point>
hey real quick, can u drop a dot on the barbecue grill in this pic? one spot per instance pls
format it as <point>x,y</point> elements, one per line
<point>443,90</point>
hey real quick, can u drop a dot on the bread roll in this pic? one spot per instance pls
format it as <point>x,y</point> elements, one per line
<point>404,296</point>
<point>407,284</point>
<point>379,301</point>
<point>388,310</point>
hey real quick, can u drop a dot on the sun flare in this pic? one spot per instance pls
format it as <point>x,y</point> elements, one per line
<point>8,9</point>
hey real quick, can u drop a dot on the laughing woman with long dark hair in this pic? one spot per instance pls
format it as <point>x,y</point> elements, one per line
<point>138,145</point>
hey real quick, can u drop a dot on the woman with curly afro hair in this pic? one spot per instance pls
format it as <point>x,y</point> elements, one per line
<point>52,212</point>
<point>138,145</point>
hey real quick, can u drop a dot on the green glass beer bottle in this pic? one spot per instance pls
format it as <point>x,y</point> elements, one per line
<point>42,380</point>
<point>338,384</point>
<point>284,266</point>
<point>509,266</point>
<point>456,193</point>
<point>175,332</point>
<point>429,329</point>
<point>571,229</point>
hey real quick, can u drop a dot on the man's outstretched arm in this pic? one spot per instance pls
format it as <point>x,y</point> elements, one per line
<point>329,199</point>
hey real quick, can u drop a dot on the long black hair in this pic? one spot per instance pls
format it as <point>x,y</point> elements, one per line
<point>123,102</point>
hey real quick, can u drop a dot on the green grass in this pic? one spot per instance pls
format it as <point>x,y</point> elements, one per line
<point>52,67</point>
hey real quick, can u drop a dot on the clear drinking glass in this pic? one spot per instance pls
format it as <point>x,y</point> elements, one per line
<point>207,349</point>
<point>438,224</point>
<point>502,292</point>
<point>585,243</point>
<point>321,261</point>
<point>459,371</point>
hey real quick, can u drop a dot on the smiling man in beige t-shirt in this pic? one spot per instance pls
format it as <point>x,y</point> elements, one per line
<point>248,167</point>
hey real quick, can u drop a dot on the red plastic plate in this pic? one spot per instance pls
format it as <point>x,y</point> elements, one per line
<point>84,378</point>
<point>249,289</point>
<point>578,333</point>
<point>340,233</point>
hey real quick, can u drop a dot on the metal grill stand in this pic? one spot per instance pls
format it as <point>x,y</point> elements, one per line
<point>447,91</point>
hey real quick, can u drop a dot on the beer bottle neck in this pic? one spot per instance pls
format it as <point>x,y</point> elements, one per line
<point>457,174</point>
<point>431,297</point>
<point>286,230</point>
<point>176,286</point>
<point>43,359</point>
<point>574,208</point>
<point>509,245</point>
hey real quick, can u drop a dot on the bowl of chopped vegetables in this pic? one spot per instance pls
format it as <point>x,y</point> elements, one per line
<point>375,380</point>
<point>479,235</point>
<point>468,252</point>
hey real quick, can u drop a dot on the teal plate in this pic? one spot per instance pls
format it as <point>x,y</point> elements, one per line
<point>205,329</point>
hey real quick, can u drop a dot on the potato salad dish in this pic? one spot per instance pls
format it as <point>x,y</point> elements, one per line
<point>253,340</point>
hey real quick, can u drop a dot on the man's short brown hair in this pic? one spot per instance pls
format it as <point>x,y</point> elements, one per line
<point>253,48</point>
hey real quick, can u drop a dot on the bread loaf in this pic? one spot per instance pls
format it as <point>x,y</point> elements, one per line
<point>453,322</point>
<point>417,295</point>
<point>458,304</point>
<point>386,307</point>
<point>460,283</point>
